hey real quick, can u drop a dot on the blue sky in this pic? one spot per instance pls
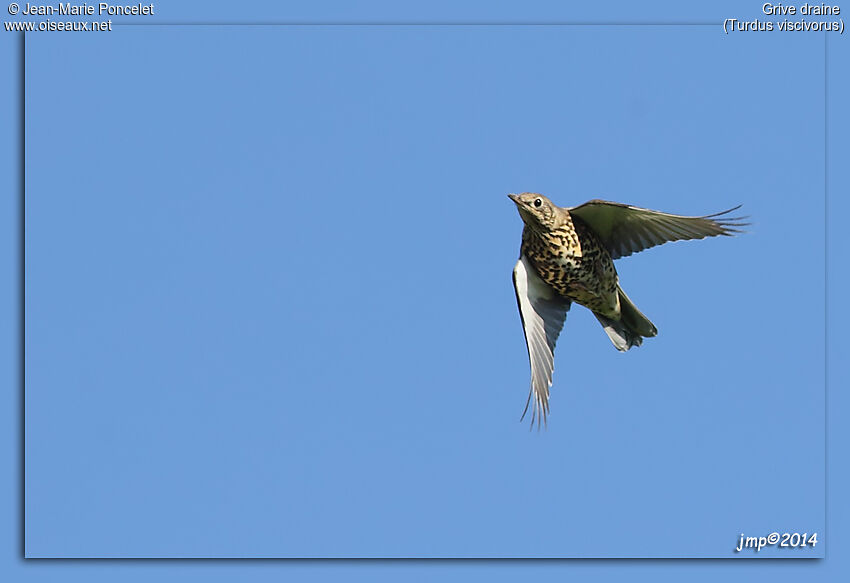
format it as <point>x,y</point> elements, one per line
<point>269,309</point>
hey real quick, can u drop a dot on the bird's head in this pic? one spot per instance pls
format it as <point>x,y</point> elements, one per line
<point>536,211</point>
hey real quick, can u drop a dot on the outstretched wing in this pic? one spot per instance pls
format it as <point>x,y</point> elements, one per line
<point>626,229</point>
<point>543,313</point>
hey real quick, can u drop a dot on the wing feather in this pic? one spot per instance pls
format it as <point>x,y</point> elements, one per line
<point>542,313</point>
<point>626,229</point>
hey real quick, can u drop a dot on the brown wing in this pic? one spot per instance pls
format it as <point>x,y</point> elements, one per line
<point>626,229</point>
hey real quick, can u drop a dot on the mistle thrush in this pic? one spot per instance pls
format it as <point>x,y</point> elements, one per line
<point>567,255</point>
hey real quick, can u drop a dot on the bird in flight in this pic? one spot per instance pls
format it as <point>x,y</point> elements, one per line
<point>567,255</point>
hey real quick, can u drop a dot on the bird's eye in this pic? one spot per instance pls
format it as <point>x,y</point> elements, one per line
<point>538,202</point>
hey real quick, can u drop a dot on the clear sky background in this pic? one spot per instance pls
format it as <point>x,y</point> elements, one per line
<point>269,309</point>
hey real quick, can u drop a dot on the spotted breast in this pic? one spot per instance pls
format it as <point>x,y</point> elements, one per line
<point>576,264</point>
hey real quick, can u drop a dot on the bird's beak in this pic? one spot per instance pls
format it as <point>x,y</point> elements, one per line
<point>514,198</point>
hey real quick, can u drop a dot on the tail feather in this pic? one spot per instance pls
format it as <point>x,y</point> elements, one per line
<point>634,318</point>
<point>620,335</point>
<point>630,329</point>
